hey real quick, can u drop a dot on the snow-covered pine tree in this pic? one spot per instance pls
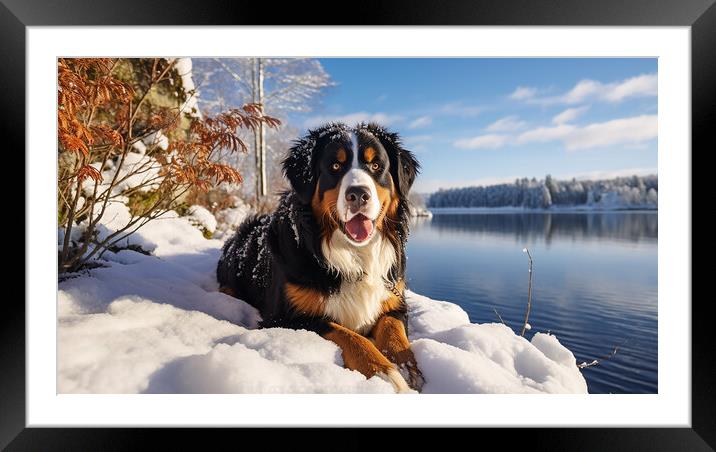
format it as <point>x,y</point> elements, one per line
<point>635,192</point>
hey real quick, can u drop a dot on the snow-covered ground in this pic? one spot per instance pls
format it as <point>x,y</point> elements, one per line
<point>157,324</point>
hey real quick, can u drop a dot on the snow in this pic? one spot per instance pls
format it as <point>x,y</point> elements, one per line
<point>456,356</point>
<point>230,218</point>
<point>428,317</point>
<point>274,360</point>
<point>137,170</point>
<point>415,211</point>
<point>202,217</point>
<point>116,216</point>
<point>156,139</point>
<point>140,147</point>
<point>621,193</point>
<point>118,350</point>
<point>490,358</point>
<point>157,323</point>
<point>184,68</point>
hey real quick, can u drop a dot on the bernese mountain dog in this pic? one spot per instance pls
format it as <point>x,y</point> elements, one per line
<point>331,258</point>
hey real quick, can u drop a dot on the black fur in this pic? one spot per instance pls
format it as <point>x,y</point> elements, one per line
<point>268,251</point>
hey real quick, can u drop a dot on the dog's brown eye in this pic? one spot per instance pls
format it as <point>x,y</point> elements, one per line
<point>374,166</point>
<point>336,166</point>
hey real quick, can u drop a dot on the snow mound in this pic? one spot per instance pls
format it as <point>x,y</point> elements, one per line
<point>456,356</point>
<point>490,358</point>
<point>201,216</point>
<point>266,361</point>
<point>117,351</point>
<point>157,323</point>
<point>116,217</point>
<point>427,316</point>
<point>229,219</point>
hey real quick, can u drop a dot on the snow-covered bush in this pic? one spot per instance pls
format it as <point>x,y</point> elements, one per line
<point>129,133</point>
<point>200,217</point>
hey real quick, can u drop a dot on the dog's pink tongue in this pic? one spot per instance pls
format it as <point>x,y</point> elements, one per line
<point>359,228</point>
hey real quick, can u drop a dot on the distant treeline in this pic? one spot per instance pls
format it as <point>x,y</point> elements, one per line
<point>635,192</point>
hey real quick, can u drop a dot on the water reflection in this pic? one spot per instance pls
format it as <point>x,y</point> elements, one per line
<point>529,227</point>
<point>595,281</point>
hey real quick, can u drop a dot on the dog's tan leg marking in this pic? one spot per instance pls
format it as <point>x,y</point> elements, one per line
<point>360,354</point>
<point>390,339</point>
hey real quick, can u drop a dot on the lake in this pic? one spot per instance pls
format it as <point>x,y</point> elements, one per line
<point>594,282</point>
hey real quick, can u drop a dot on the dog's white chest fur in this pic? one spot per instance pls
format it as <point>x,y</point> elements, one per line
<point>357,304</point>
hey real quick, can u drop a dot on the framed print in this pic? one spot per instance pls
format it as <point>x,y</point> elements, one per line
<point>526,135</point>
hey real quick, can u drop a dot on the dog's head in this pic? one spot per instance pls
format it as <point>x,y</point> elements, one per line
<point>354,178</point>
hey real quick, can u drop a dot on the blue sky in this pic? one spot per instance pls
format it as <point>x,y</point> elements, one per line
<point>483,121</point>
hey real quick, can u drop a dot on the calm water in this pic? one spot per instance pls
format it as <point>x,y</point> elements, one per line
<point>594,286</point>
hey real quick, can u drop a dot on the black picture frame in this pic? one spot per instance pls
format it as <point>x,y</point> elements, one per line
<point>16,15</point>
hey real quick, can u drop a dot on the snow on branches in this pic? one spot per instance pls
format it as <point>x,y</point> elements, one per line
<point>125,135</point>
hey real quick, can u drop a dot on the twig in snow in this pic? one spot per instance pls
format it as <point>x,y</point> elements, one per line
<point>594,362</point>
<point>529,293</point>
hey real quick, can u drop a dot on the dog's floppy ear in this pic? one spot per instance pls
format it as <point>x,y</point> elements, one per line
<point>403,165</point>
<point>298,167</point>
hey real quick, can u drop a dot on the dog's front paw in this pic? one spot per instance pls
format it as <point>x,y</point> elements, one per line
<point>412,374</point>
<point>393,376</point>
<point>408,367</point>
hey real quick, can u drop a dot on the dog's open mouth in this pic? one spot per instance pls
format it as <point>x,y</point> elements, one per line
<point>359,228</point>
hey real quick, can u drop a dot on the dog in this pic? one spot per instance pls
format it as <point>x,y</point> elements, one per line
<point>331,257</point>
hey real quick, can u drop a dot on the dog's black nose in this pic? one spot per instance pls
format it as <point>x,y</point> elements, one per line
<point>357,197</point>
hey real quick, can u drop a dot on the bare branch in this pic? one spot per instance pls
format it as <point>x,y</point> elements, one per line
<point>594,362</point>
<point>500,317</point>
<point>529,294</point>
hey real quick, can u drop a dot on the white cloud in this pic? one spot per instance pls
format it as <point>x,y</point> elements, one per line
<point>354,118</point>
<point>489,141</point>
<point>569,115</point>
<point>644,85</point>
<point>543,134</point>
<point>523,92</point>
<point>460,109</point>
<point>422,121</point>
<point>618,131</point>
<point>506,124</point>
<point>623,131</point>
<point>581,91</point>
